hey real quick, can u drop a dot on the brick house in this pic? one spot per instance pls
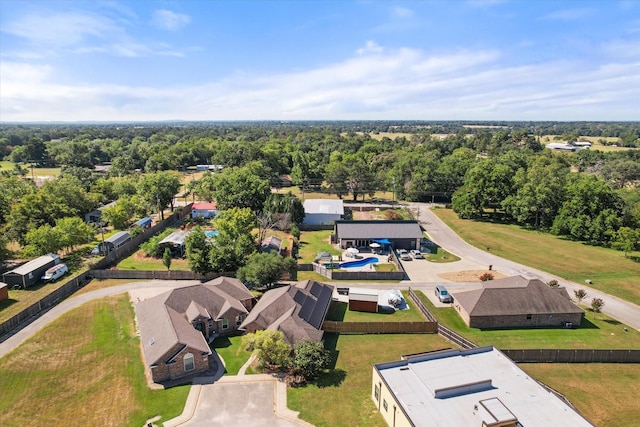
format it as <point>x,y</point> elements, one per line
<point>177,326</point>
<point>516,302</point>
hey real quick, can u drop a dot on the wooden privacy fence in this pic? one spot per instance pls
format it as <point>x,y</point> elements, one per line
<point>160,275</point>
<point>380,327</point>
<point>573,356</point>
<point>36,309</point>
<point>443,331</point>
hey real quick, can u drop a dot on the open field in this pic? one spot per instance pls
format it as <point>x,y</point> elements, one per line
<point>601,392</point>
<point>341,397</point>
<point>597,331</point>
<point>85,368</point>
<point>608,269</point>
<point>594,140</point>
<point>296,191</point>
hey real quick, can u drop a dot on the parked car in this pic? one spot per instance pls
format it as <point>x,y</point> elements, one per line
<point>55,272</point>
<point>442,294</point>
<point>416,254</point>
<point>404,255</point>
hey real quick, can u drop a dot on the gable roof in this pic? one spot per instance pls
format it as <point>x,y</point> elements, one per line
<point>324,206</point>
<point>165,320</point>
<point>119,237</point>
<point>516,295</point>
<point>175,238</point>
<point>378,230</point>
<point>34,264</point>
<point>204,206</point>
<point>232,286</point>
<point>296,310</point>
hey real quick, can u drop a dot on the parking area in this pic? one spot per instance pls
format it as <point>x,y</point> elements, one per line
<point>421,270</point>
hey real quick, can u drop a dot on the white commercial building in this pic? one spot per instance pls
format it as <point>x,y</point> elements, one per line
<point>322,211</point>
<point>479,387</point>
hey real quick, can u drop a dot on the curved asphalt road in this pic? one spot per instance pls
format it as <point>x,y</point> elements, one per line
<point>626,312</point>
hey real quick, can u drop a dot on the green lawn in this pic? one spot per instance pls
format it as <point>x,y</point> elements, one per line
<point>138,261</point>
<point>597,331</point>
<point>84,367</point>
<point>339,311</point>
<point>314,242</point>
<point>608,269</point>
<point>341,397</point>
<point>233,353</point>
<point>601,392</point>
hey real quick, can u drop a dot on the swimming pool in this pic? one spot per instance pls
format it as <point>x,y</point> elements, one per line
<point>359,263</point>
<point>211,233</point>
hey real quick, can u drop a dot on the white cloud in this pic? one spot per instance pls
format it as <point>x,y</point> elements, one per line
<point>402,12</point>
<point>399,84</point>
<point>569,14</point>
<point>169,20</point>
<point>370,47</point>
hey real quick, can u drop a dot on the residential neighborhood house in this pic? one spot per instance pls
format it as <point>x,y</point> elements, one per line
<point>477,387</point>
<point>177,326</point>
<point>297,310</point>
<point>400,234</point>
<point>514,302</point>
<point>204,210</point>
<point>322,211</point>
<point>31,272</point>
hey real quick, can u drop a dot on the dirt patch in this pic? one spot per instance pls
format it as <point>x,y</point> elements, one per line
<point>469,275</point>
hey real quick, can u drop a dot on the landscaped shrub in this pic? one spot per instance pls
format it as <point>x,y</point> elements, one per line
<point>553,284</point>
<point>486,277</point>
<point>151,247</point>
<point>392,215</point>
<point>295,231</point>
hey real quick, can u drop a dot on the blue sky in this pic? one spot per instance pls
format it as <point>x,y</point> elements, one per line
<point>299,60</point>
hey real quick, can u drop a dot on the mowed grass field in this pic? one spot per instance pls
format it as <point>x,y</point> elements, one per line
<point>607,394</point>
<point>608,269</point>
<point>342,396</point>
<point>85,368</point>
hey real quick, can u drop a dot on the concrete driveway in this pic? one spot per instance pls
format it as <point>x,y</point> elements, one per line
<point>421,270</point>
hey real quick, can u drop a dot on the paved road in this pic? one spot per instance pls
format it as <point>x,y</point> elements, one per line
<point>76,301</point>
<point>626,312</point>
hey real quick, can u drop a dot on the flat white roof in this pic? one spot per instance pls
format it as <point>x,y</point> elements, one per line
<point>324,206</point>
<point>465,388</point>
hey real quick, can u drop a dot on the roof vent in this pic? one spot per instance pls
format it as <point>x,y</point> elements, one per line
<point>152,341</point>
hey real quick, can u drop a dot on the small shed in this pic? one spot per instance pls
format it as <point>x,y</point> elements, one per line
<point>115,241</point>
<point>31,272</point>
<point>363,300</point>
<point>4,291</point>
<point>144,223</point>
<point>175,242</point>
<point>271,244</point>
<point>95,216</point>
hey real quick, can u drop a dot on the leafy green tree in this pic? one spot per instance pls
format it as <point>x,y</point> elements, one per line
<point>337,174</point>
<point>235,242</point>
<point>626,240</point>
<point>264,269</point>
<point>119,215</point>
<point>197,250</point>
<point>309,358</point>
<point>74,231</point>
<point>158,189</point>
<point>592,211</point>
<point>272,349</point>
<point>240,188</point>
<point>42,240</point>
<point>166,258</point>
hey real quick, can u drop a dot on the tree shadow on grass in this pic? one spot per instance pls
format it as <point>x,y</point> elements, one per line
<point>612,322</point>
<point>331,378</point>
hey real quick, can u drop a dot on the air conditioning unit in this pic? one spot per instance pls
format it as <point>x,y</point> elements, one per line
<point>568,325</point>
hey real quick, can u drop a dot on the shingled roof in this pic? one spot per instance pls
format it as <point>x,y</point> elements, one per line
<point>515,295</point>
<point>297,310</point>
<point>165,320</point>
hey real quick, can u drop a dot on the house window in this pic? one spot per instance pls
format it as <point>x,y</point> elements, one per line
<point>239,319</point>
<point>210,323</point>
<point>384,405</point>
<point>376,392</point>
<point>225,323</point>
<point>529,316</point>
<point>189,364</point>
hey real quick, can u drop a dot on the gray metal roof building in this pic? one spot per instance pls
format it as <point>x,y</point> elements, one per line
<point>30,272</point>
<point>402,234</point>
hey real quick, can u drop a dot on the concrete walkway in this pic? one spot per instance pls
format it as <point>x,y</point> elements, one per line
<point>626,312</point>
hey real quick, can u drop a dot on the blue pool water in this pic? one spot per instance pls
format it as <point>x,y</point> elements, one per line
<point>359,263</point>
<point>211,233</point>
